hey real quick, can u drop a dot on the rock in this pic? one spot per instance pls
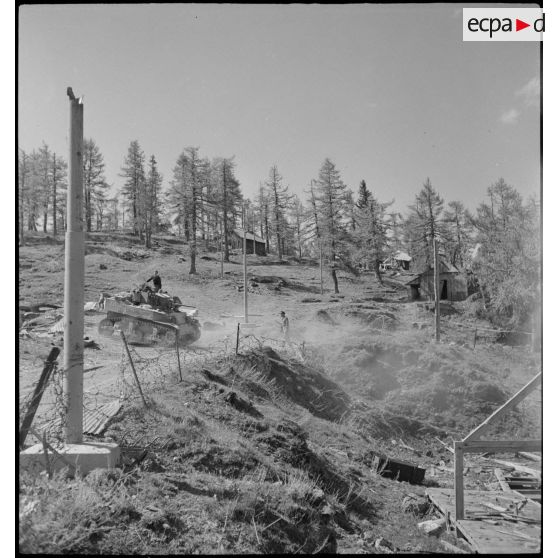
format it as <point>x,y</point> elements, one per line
<point>327,510</point>
<point>417,506</point>
<point>383,545</point>
<point>429,453</point>
<point>433,527</point>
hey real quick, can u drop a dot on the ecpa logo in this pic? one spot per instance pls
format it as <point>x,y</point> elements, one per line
<point>503,24</point>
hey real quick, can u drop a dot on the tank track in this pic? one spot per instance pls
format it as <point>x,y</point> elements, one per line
<point>139,330</point>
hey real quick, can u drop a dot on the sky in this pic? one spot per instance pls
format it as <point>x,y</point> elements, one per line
<point>390,93</point>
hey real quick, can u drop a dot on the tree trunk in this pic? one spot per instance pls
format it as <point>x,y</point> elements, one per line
<point>20,223</point>
<point>335,283</point>
<point>193,245</point>
<point>225,216</point>
<point>266,231</point>
<point>377,271</point>
<point>54,208</point>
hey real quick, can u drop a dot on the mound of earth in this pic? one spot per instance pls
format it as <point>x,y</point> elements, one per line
<point>302,385</point>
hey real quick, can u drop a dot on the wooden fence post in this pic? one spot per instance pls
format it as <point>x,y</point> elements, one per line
<point>237,336</point>
<point>37,395</point>
<point>178,357</point>
<point>133,367</point>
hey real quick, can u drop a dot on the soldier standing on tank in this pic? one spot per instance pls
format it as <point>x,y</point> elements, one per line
<point>156,278</point>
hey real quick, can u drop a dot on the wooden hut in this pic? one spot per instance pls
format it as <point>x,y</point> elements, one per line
<point>399,260</point>
<point>236,239</point>
<point>453,284</point>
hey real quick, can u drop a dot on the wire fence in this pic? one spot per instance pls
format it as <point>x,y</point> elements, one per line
<point>155,368</point>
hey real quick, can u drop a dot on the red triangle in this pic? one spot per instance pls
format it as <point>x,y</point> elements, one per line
<point>519,25</point>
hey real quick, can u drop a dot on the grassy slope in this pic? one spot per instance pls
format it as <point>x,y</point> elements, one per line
<point>283,465</point>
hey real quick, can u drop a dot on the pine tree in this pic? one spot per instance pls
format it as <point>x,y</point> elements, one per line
<point>458,239</point>
<point>134,185</point>
<point>363,195</point>
<point>59,190</point>
<point>298,218</point>
<point>331,203</point>
<point>94,182</point>
<point>263,204</point>
<point>44,173</point>
<point>191,176</point>
<point>373,231</point>
<point>507,265</point>
<point>425,222</point>
<point>153,187</point>
<point>279,199</point>
<point>227,197</point>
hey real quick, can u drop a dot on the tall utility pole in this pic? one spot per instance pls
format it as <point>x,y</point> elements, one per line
<point>245,274</point>
<point>437,290</point>
<point>74,279</point>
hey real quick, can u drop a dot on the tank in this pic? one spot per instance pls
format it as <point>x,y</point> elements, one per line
<point>149,318</point>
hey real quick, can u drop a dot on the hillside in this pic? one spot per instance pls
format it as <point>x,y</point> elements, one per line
<point>271,450</point>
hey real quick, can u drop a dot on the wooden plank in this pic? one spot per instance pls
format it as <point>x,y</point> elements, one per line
<point>518,467</point>
<point>502,480</point>
<point>530,456</point>
<point>502,446</point>
<point>512,402</point>
<point>506,538</point>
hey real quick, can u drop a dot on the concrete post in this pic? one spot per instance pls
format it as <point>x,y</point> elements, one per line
<point>74,279</point>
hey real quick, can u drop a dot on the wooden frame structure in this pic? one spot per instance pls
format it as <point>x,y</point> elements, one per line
<point>472,444</point>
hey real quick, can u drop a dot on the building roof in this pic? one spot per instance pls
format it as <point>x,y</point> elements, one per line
<point>445,267</point>
<point>413,279</point>
<point>249,235</point>
<point>403,256</point>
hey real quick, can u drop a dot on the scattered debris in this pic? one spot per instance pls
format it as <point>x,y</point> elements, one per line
<point>383,545</point>
<point>90,344</point>
<point>90,307</point>
<point>530,456</point>
<point>398,469</point>
<point>452,548</point>
<point>242,405</point>
<point>449,448</point>
<point>518,467</point>
<point>433,527</point>
<point>417,506</point>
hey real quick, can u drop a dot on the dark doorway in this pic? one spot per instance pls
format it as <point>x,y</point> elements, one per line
<point>415,292</point>
<point>444,295</point>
